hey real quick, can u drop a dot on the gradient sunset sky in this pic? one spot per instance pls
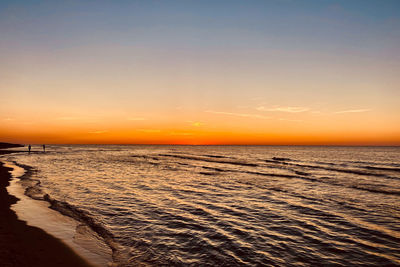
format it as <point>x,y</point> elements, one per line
<point>200,72</point>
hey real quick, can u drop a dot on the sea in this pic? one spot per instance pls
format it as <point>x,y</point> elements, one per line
<point>154,205</point>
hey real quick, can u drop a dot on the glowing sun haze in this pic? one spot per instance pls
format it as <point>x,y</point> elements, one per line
<point>200,72</point>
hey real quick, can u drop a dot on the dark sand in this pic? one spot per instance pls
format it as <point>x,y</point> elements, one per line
<point>23,245</point>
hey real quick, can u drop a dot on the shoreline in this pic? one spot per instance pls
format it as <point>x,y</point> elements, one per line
<point>24,245</point>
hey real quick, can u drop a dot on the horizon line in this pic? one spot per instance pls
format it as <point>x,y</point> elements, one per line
<point>155,144</point>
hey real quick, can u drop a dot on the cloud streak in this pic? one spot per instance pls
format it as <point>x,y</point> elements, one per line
<point>180,133</point>
<point>291,120</point>
<point>244,115</point>
<point>196,123</point>
<point>149,130</point>
<point>352,111</point>
<point>136,119</point>
<point>284,109</point>
<point>99,132</point>
<point>68,118</point>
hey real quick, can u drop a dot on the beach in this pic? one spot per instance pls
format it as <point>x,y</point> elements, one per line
<point>200,133</point>
<point>220,205</point>
<point>24,245</point>
<point>201,206</point>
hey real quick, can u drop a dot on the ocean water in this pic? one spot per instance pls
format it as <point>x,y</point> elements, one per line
<point>227,205</point>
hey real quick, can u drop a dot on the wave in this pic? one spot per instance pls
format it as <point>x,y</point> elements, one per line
<point>218,156</point>
<point>246,212</point>
<point>241,163</point>
<point>82,216</point>
<point>145,157</point>
<point>325,180</point>
<point>33,190</point>
<point>279,162</point>
<point>281,159</point>
<point>32,186</point>
<point>382,168</point>
<point>369,163</point>
<point>213,168</point>
<point>208,173</point>
<point>376,190</point>
<point>331,182</point>
<point>351,171</point>
<point>288,164</point>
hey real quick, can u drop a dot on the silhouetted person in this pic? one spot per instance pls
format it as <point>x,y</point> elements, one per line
<point>44,148</point>
<point>29,148</point>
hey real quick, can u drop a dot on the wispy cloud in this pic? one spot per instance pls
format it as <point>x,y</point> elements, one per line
<point>149,130</point>
<point>284,109</point>
<point>245,115</point>
<point>67,118</point>
<point>73,119</point>
<point>99,132</point>
<point>180,133</point>
<point>292,120</point>
<point>352,111</point>
<point>195,123</point>
<point>8,119</point>
<point>136,119</point>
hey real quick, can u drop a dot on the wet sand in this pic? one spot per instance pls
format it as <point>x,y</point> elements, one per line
<point>24,245</point>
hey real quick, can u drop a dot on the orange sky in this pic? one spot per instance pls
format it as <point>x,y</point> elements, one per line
<point>259,73</point>
<point>211,127</point>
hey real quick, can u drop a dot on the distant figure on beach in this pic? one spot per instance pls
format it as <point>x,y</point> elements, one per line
<point>44,148</point>
<point>29,148</point>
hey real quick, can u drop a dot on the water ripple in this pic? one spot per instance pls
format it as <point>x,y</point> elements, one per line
<point>229,206</point>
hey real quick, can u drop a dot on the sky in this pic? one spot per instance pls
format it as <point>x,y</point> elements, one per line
<point>276,72</point>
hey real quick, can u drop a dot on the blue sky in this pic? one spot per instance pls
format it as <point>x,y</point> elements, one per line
<point>152,58</point>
